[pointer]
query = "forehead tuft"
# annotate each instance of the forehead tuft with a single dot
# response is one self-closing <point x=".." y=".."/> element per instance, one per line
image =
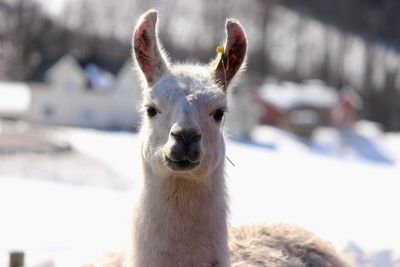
<point x="187" y="81"/>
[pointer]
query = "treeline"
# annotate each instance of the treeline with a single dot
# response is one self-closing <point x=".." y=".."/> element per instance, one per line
<point x="29" y="39"/>
<point x="377" y="24"/>
<point x="374" y="19"/>
<point x="343" y="42"/>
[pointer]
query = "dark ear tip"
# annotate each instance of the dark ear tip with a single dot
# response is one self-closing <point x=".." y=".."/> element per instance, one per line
<point x="150" y="15"/>
<point x="232" y="24"/>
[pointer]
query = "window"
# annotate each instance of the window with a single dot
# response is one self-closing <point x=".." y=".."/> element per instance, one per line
<point x="48" y="111"/>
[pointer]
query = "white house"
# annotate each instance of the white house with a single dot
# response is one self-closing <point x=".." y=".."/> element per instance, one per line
<point x="66" y="98"/>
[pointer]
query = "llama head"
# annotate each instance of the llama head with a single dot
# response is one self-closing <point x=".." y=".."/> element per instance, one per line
<point x="183" y="104"/>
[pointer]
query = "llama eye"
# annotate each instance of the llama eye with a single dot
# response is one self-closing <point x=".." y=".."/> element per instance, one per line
<point x="151" y="112"/>
<point x="218" y="115"/>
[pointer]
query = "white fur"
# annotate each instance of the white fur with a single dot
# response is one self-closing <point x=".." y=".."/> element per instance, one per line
<point x="181" y="218"/>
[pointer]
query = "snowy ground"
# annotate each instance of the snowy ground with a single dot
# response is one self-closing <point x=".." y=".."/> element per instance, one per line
<point x="342" y="193"/>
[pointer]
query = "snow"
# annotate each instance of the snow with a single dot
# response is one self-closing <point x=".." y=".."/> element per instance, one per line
<point x="67" y="223"/>
<point x="288" y="95"/>
<point x="14" y="98"/>
<point x="340" y="200"/>
<point x="276" y="178"/>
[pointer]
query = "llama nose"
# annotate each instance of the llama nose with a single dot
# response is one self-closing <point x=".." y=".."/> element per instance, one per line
<point x="186" y="136"/>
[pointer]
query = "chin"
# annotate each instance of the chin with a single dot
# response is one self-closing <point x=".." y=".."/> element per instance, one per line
<point x="180" y="165"/>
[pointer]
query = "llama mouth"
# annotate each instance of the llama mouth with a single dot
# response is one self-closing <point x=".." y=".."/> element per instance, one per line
<point x="181" y="165"/>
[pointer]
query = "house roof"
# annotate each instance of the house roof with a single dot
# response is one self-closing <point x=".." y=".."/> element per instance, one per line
<point x="289" y="95"/>
<point x="59" y="67"/>
<point x="39" y="73"/>
<point x="112" y="68"/>
<point x="98" y="78"/>
<point x="98" y="75"/>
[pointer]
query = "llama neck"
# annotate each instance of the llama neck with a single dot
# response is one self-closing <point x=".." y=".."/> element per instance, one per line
<point x="182" y="222"/>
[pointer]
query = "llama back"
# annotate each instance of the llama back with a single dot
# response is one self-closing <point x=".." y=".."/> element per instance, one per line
<point x="277" y="245"/>
<point x="281" y="245"/>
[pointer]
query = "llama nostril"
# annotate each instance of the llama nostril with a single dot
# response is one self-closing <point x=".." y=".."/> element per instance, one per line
<point x="193" y="155"/>
<point x="187" y="136"/>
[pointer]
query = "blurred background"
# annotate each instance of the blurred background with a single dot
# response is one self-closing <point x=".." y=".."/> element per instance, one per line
<point x="315" y="119"/>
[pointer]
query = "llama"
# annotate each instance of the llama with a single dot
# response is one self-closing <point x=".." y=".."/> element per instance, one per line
<point x="181" y="220"/>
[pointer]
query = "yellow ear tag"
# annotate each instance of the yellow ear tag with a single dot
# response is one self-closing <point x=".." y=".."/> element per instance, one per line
<point x="220" y="49"/>
<point x="221" y="57"/>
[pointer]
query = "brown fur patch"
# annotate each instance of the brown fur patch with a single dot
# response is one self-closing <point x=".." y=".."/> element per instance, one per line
<point x="281" y="245"/>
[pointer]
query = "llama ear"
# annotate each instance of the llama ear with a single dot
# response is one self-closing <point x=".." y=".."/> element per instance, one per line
<point x="232" y="56"/>
<point x="146" y="50"/>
